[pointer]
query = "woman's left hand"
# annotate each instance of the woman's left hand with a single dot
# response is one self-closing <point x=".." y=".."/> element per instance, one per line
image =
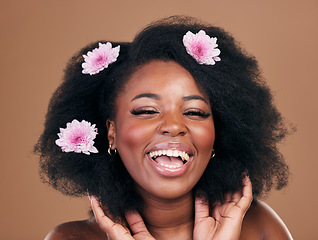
<point x="226" y="220"/>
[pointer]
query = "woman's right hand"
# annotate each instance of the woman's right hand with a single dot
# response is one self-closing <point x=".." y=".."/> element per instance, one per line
<point x="116" y="231"/>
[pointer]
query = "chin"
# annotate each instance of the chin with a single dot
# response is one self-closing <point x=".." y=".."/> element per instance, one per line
<point x="166" y="191"/>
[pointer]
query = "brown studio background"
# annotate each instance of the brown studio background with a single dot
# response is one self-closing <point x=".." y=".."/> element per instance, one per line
<point x="38" y="37"/>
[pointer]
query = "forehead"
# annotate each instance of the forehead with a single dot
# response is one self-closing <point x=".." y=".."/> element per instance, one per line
<point x="161" y="77"/>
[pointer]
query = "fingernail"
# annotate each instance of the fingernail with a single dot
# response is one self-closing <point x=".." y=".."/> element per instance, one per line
<point x="89" y="196"/>
<point x="245" y="179"/>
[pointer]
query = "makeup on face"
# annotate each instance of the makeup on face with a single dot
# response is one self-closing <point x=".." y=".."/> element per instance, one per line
<point x="164" y="130"/>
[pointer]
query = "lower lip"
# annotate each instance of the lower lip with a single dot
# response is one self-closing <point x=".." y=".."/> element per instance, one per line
<point x="169" y="172"/>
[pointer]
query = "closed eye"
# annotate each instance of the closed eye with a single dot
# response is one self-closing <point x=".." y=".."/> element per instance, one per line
<point x="143" y="111"/>
<point x="197" y="113"/>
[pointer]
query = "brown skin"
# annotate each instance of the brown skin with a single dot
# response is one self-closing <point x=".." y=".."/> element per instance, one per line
<point x="170" y="118"/>
<point x="169" y="114"/>
<point x="260" y="223"/>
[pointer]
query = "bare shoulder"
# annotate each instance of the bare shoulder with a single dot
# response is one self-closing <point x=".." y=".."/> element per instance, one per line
<point x="261" y="222"/>
<point x="77" y="230"/>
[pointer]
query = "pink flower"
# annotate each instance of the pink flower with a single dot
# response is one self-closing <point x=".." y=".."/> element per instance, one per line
<point x="99" y="58"/>
<point x="201" y="47"/>
<point x="77" y="137"/>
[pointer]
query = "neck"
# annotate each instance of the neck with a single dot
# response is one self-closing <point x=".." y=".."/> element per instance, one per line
<point x="169" y="219"/>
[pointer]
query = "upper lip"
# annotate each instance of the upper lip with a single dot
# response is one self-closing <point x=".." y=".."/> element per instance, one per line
<point x="173" y="146"/>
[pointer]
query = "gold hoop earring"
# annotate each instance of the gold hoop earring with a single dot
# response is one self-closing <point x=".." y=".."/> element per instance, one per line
<point x="110" y="151"/>
<point x="213" y="154"/>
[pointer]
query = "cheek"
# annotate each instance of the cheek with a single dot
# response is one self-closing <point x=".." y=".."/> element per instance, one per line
<point x="204" y="136"/>
<point x="133" y="135"/>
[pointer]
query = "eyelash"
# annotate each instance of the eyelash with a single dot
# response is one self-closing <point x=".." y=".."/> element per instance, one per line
<point x="142" y="111"/>
<point x="198" y="113"/>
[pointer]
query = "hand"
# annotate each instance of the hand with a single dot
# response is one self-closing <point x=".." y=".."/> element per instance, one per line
<point x="226" y="220"/>
<point x="116" y="231"/>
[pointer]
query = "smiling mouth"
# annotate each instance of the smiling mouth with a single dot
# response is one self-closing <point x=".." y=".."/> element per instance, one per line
<point x="170" y="158"/>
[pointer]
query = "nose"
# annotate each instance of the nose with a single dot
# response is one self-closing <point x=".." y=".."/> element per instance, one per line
<point x="172" y="125"/>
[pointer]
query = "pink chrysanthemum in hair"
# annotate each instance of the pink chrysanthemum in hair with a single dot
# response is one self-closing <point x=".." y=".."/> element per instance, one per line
<point x="99" y="58"/>
<point x="77" y="137"/>
<point x="202" y="47"/>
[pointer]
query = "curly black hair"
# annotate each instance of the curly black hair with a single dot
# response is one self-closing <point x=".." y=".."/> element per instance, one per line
<point x="248" y="125"/>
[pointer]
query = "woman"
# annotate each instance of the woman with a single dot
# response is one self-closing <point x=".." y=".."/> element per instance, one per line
<point x="167" y="134"/>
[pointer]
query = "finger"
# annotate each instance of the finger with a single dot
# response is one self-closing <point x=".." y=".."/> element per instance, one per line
<point x="201" y="207"/>
<point x="227" y="197"/>
<point x="136" y="223"/>
<point x="247" y="195"/>
<point x="215" y="212"/>
<point x="236" y="196"/>
<point x="104" y="222"/>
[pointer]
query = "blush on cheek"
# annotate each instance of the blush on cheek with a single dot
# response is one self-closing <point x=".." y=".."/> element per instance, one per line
<point x="134" y="136"/>
<point x="137" y="134"/>
<point x="203" y="139"/>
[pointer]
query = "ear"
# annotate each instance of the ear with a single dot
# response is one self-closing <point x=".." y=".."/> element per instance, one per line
<point x="110" y="124"/>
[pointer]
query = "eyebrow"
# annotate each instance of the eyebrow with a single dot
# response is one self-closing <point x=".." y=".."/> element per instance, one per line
<point x="157" y="97"/>
<point x="194" y="97"/>
<point x="146" y="95"/>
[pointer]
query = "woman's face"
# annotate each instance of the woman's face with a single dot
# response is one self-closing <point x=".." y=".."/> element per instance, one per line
<point x="163" y="130"/>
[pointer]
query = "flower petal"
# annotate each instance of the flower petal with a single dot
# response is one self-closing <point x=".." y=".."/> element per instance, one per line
<point x="99" y="58"/>
<point x="201" y="47"/>
<point x="77" y="137"/>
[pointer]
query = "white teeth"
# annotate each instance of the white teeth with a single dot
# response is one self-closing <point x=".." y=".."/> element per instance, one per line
<point x="175" y="153"/>
<point x="170" y="153"/>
